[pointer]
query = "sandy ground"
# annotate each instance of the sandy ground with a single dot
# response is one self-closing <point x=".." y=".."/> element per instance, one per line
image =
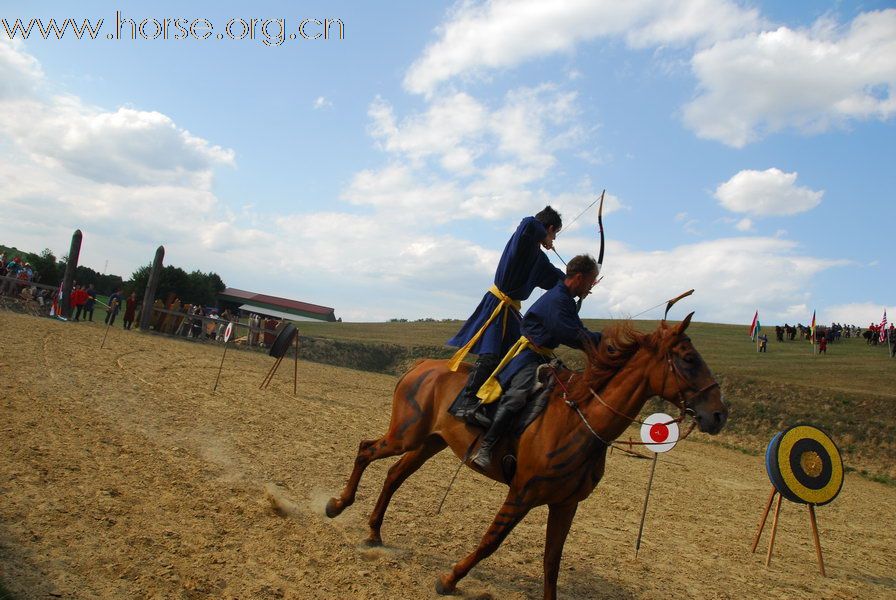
<point x="122" y="475"/>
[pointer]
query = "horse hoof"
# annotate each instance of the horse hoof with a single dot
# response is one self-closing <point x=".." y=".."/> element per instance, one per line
<point x="444" y="587"/>
<point x="373" y="542"/>
<point x="333" y="508"/>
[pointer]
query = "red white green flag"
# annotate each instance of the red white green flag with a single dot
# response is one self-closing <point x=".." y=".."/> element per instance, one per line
<point x="754" y="325"/>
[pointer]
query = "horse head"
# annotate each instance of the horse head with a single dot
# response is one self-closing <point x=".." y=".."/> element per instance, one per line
<point x="680" y="376"/>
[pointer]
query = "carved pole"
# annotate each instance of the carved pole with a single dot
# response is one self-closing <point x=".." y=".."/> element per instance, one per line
<point x="150" y="295"/>
<point x="70" y="266"/>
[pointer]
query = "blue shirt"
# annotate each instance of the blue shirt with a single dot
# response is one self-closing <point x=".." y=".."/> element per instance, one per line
<point x="523" y="267"/>
<point x="550" y="322"/>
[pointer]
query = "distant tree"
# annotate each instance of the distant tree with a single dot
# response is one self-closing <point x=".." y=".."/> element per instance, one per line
<point x="193" y="288"/>
<point x="45" y="268"/>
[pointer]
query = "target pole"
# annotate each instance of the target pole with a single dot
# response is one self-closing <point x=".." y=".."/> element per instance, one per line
<point x="103" y="344"/>
<point x="817" y="541"/>
<point x="771" y="541"/>
<point x="762" y="521"/>
<point x="646" y="498"/>
<point x="295" y="373"/>
<point x="220" y="367"/>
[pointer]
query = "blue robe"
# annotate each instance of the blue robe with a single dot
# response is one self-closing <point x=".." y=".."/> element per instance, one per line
<point x="523" y="267"/>
<point x="551" y="321"/>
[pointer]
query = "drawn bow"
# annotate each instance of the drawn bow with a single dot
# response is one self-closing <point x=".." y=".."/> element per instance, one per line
<point x="600" y="227"/>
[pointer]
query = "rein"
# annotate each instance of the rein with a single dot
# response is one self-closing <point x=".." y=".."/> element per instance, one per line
<point x="681" y="403"/>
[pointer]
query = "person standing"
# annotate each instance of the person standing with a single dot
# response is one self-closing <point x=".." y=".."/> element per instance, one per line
<point x="114" y="305"/>
<point x="130" y="310"/>
<point x="90" y="302"/>
<point x="495" y="324"/>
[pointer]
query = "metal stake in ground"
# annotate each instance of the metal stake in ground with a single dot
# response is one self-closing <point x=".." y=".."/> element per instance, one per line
<point x="646" y="498"/>
<point x="103" y="344"/>
<point x="659" y="432"/>
<point x="227" y="334"/>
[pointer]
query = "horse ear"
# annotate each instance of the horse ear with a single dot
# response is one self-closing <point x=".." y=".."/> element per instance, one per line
<point x="684" y="324"/>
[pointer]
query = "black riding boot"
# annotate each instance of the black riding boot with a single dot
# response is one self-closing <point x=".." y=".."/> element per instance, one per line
<point x="484" y="367"/>
<point x="500" y="425"/>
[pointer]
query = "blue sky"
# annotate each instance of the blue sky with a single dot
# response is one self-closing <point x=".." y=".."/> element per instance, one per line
<point x="746" y="149"/>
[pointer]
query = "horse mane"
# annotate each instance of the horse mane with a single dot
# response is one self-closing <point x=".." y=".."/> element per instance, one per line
<point x="619" y="343"/>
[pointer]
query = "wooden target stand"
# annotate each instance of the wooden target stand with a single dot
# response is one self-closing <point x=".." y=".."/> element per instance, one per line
<point x="288" y="336"/>
<point x="804" y="466"/>
<point x="659" y="433"/>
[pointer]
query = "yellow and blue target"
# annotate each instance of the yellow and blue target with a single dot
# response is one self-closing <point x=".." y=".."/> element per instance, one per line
<point x="804" y="465"/>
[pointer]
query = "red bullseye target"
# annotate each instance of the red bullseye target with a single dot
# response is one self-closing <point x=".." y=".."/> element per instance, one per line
<point x="659" y="432"/>
<point x="228" y="332"/>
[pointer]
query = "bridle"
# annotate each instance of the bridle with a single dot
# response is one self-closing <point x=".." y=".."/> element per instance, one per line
<point x="681" y="402"/>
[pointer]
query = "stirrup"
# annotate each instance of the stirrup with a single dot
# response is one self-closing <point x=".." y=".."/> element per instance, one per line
<point x="483" y="460"/>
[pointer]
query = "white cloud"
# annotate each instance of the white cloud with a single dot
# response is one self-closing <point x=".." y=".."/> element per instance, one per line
<point x="744" y="225"/>
<point x="766" y="193"/>
<point x="810" y="80"/>
<point x="322" y="102"/>
<point x="723" y="273"/>
<point x="460" y="158"/>
<point x="504" y="33"/>
<point x="20" y="73"/>
<point x="125" y="147"/>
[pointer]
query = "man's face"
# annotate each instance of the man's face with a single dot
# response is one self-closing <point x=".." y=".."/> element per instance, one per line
<point x="582" y="284"/>
<point x="548" y="241"/>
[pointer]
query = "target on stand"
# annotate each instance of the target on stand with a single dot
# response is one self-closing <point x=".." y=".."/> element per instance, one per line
<point x="228" y="332"/>
<point x="659" y="432"/>
<point x="804" y="465"/>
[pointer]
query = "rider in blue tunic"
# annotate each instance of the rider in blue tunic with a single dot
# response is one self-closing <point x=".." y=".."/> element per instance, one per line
<point x="495" y="324"/>
<point x="552" y="320"/>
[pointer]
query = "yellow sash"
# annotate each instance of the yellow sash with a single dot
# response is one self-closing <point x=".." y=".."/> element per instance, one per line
<point x="505" y="304"/>
<point x="491" y="390"/>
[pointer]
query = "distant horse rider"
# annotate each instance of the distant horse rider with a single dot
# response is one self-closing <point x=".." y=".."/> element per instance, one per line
<point x="495" y="324"/>
<point x="552" y="320"/>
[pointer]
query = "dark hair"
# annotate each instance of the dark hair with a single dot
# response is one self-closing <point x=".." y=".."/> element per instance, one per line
<point x="548" y="216"/>
<point x="583" y="263"/>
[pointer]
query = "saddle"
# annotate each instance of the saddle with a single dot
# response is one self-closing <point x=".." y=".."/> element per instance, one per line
<point x="480" y="415"/>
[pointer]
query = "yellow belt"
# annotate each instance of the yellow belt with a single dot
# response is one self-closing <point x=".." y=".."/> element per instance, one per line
<point x="491" y="390"/>
<point x="505" y="304"/>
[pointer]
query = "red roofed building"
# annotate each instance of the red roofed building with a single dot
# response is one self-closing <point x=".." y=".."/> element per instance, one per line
<point x="280" y="308"/>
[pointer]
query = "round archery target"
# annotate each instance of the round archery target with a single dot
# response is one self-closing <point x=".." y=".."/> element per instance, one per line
<point x="228" y="332"/>
<point x="804" y="465"/>
<point x="659" y="432"/>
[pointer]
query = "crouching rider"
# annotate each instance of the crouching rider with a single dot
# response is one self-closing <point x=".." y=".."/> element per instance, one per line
<point x="551" y="321"/>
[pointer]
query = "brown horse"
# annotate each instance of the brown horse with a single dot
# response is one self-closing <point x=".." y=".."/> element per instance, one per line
<point x="561" y="455"/>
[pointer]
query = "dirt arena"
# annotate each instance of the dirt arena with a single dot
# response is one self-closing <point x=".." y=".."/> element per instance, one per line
<point x="122" y="475"/>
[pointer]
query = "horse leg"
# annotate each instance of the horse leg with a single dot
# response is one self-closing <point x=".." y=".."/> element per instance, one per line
<point x="511" y="513"/>
<point x="368" y="451"/>
<point x="398" y="473"/>
<point x="559" y="521"/>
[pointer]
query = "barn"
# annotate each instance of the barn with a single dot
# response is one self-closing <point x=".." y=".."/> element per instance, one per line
<point x="276" y="307"/>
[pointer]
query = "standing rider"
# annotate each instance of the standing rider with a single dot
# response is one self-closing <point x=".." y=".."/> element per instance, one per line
<point x="495" y="324"/>
<point x="551" y="321"/>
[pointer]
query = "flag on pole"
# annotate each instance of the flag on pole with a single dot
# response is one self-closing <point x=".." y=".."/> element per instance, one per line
<point x="883" y="327"/>
<point x="753" y="325"/>
<point x="812" y="328"/>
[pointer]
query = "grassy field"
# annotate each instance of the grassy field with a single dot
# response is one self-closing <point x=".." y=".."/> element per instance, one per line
<point x="850" y="392"/>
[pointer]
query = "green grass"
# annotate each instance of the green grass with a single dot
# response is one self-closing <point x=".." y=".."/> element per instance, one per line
<point x="850" y="392"/>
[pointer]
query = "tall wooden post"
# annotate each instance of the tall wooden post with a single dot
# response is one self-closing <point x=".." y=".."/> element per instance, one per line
<point x="150" y="295"/>
<point x="71" y="266"/>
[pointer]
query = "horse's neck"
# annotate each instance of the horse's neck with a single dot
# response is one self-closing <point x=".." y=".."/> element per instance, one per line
<point x="622" y="398"/>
